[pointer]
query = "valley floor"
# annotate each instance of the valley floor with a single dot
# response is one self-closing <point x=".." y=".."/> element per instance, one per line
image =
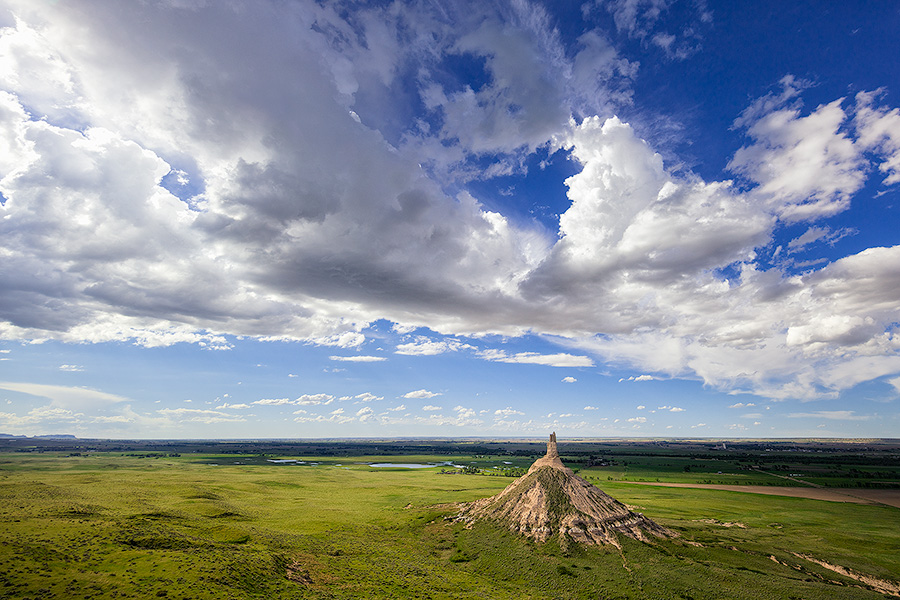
<point x="108" y="525"/>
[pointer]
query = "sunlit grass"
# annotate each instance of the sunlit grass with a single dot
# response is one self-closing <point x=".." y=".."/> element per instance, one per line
<point x="104" y="526"/>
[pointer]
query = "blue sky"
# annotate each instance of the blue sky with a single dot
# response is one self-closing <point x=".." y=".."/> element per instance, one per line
<point x="338" y="219"/>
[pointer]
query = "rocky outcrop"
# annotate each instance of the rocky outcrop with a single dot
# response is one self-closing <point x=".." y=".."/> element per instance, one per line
<point x="550" y="499"/>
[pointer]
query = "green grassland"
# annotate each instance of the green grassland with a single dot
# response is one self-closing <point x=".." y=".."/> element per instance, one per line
<point x="110" y="525"/>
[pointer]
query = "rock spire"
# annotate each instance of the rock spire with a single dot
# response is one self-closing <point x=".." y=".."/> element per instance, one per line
<point x="551" y="500"/>
<point x="551" y="459"/>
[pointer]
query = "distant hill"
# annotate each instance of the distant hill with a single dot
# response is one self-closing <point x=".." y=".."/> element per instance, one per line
<point x="551" y="500"/>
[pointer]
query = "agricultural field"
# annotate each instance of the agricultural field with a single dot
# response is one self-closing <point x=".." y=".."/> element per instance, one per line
<point x="187" y="521"/>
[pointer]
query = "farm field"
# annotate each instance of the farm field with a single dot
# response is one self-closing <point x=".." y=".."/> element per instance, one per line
<point x="144" y="524"/>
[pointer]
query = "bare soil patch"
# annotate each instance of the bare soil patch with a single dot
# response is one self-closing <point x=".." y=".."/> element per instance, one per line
<point x="889" y="497"/>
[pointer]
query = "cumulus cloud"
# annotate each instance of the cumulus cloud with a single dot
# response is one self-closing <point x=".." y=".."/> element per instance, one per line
<point x="878" y="128"/>
<point x="426" y="347"/>
<point x="274" y="401"/>
<point x="808" y="166"/>
<point x="149" y="197"/>
<point x="421" y="394"/>
<point x="431" y="408"/>
<point x="534" y="358"/>
<point x="569" y="379"/>
<point x="507" y="412"/>
<point x="312" y="399"/>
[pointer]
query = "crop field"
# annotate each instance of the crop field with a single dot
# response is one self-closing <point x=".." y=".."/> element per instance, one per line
<point x="192" y="524"/>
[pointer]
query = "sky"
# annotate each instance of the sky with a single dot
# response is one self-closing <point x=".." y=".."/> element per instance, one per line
<point x="298" y="219"/>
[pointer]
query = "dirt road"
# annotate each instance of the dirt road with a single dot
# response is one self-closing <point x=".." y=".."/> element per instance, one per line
<point x="856" y="496"/>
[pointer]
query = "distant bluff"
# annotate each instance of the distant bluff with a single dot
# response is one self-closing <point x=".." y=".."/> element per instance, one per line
<point x="550" y="499"/>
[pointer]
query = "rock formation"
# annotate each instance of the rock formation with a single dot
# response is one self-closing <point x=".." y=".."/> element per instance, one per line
<point x="550" y="499"/>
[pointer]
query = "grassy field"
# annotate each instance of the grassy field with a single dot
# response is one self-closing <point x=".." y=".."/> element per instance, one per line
<point x="109" y="525"/>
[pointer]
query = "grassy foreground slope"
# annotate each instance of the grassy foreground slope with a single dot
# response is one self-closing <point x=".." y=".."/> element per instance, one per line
<point x="112" y="526"/>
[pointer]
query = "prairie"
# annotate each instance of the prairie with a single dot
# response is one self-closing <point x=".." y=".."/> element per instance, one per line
<point x="110" y="525"/>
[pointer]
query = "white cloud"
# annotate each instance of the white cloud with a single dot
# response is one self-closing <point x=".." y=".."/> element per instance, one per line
<point x="589" y="407"/>
<point x="399" y="408"/>
<point x="196" y="415"/>
<point x="895" y="381"/>
<point x="815" y="234"/>
<point x="304" y="400"/>
<point x="806" y="167"/>
<point x="533" y="358"/>
<point x="508" y="412"/>
<point x="426" y="347"/>
<point x="65" y="397"/>
<point x="879" y="129"/>
<point x="313" y="399"/>
<point x="150" y="198"/>
<point x="466" y="416"/>
<point x="637" y="420"/>
<point x="569" y="379"/>
<point x="421" y="394"/>
<point x="71" y="368"/>
<point x="274" y="401"/>
<point x="636" y="17"/>
<point x="832" y="415"/>
<point x="742" y="405"/>
<point x="670" y="408"/>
